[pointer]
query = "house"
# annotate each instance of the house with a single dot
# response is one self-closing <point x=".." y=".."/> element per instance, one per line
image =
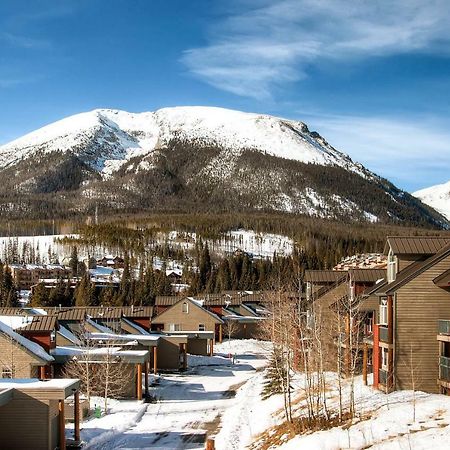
<point x="114" y="262"/>
<point x="338" y="312"/>
<point x="412" y="303"/>
<point x="132" y="364"/>
<point x="21" y="357"/>
<point x="27" y="275"/>
<point x="32" y="413"/>
<point x="187" y="315"/>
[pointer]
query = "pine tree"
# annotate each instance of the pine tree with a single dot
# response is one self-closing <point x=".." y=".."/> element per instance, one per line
<point x="275" y="377"/>
<point x="73" y="261"/>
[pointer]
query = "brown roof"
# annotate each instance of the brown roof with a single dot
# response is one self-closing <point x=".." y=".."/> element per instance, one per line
<point x="166" y="300"/>
<point x="324" y="276"/>
<point x="137" y="311"/>
<point x="223" y="301"/>
<point x="67" y="313"/>
<point x="41" y="324"/>
<point x="413" y="270"/>
<point x="14" y="311"/>
<point x="416" y="245"/>
<point x="443" y="279"/>
<point x="367" y="275"/>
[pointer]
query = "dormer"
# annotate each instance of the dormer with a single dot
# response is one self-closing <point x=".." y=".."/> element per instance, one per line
<point x="402" y="251"/>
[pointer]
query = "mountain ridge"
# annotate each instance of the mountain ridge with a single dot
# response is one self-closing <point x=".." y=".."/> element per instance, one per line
<point x="194" y="158"/>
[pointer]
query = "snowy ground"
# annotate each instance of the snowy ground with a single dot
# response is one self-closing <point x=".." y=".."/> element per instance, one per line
<point x="218" y="399"/>
<point x="189" y="407"/>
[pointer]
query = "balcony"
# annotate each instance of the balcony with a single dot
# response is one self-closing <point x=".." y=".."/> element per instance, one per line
<point x="444" y="368"/>
<point x="383" y="376"/>
<point x="384" y="334"/>
<point x="444" y="327"/>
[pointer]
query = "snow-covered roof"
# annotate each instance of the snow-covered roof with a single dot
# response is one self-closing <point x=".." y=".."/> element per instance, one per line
<point x="65" y="332"/>
<point x="99" y="327"/>
<point x="141" y="338"/>
<point x="32" y="347"/>
<point x="15" y="322"/>
<point x="98" y="353"/>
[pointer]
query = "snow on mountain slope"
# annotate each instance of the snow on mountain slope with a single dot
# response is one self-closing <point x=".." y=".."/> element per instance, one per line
<point x="105" y="139"/>
<point x="438" y="197"/>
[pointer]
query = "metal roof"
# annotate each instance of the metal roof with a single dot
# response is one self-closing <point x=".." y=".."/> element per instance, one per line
<point x="41" y="324"/>
<point x="166" y="300"/>
<point x="367" y="275"/>
<point x="324" y="276"/>
<point x="416" y="245"/>
<point x="413" y="270"/>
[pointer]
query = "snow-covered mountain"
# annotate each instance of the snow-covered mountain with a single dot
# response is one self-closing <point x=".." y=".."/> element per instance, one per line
<point x="191" y="159"/>
<point x="438" y="197"/>
<point x="105" y="138"/>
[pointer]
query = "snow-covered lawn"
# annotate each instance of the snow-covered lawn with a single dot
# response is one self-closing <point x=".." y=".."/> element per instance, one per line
<point x="190" y="405"/>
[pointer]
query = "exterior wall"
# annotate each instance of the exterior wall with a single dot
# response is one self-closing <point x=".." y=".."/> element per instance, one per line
<point x="11" y="353"/>
<point x="419" y="305"/>
<point x="197" y="347"/>
<point x="142" y="322"/>
<point x="169" y="352"/>
<point x="188" y="321"/>
<point x="42" y="339"/>
<point x="30" y="415"/>
<point x="406" y="260"/>
<point x="61" y="341"/>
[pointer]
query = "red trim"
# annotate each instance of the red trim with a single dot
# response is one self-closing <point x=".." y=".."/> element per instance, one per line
<point x="376" y="355"/>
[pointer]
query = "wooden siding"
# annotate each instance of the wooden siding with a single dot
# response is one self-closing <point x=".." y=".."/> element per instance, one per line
<point x="12" y="353"/>
<point x="404" y="261"/>
<point x="418" y="306"/>
<point x="327" y="322"/>
<point x="189" y="321"/>
<point x="29" y="414"/>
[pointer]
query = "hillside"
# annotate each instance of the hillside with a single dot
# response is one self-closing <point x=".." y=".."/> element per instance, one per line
<point x="193" y="159"/>
<point x="438" y="197"/>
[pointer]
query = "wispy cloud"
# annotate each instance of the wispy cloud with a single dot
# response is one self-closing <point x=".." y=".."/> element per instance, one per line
<point x="27" y="42"/>
<point x="261" y="44"/>
<point x="413" y="152"/>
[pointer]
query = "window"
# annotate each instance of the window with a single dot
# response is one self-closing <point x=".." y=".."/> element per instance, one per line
<point x="384" y="358"/>
<point x="174" y="327"/>
<point x="201" y="327"/>
<point x="309" y="319"/>
<point x="185" y="307"/>
<point x="383" y="311"/>
<point x="391" y="267"/>
<point x="7" y="372"/>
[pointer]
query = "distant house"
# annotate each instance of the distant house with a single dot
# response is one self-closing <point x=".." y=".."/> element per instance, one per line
<point x="187" y="315"/>
<point x="27" y="275"/>
<point x="114" y="262"/>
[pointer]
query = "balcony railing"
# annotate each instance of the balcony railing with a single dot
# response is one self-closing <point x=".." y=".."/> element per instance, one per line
<point x="383" y="376"/>
<point x="444" y="326"/>
<point x="384" y="334"/>
<point x="444" y="368"/>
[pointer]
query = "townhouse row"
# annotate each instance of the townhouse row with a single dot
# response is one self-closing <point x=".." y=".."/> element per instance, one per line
<point x="393" y="323"/>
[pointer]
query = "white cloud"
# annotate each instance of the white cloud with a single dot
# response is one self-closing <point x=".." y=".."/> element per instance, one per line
<point x="413" y="153"/>
<point x="24" y="41"/>
<point x="261" y="44"/>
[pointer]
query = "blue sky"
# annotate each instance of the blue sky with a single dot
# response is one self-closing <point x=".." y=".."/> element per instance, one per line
<point x="373" y="77"/>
